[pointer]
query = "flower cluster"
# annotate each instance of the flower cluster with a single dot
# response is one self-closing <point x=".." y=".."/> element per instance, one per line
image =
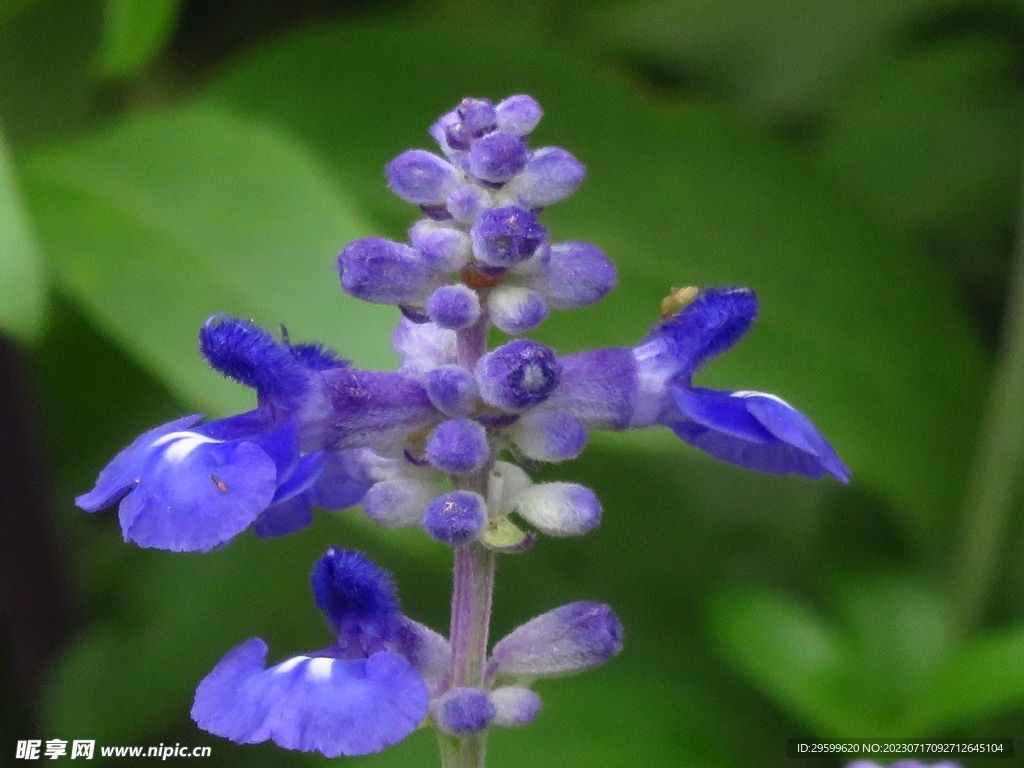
<point x="385" y="672"/>
<point x="440" y="443"/>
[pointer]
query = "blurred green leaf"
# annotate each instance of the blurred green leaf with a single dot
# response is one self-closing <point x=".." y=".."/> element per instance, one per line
<point x="134" y="32"/>
<point x="901" y="634"/>
<point x="891" y="667"/>
<point x="855" y="330"/>
<point x="11" y="8"/>
<point x="47" y="53"/>
<point x="799" y="660"/>
<point x="162" y="222"/>
<point x="983" y="678"/>
<point x="772" y="56"/>
<point x="21" y="279"/>
<point x="931" y="135"/>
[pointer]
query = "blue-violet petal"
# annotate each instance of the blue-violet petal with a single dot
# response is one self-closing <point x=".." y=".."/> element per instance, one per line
<point x="312" y="704"/>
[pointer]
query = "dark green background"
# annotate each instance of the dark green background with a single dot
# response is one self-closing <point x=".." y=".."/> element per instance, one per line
<point x="856" y="163"/>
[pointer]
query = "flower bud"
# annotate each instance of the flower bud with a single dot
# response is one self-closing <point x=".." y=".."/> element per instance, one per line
<point x="516" y="310"/>
<point x="517" y="375"/>
<point x="442" y="248"/>
<point x="398" y="503"/>
<point x="453" y="306"/>
<point x="477" y="116"/>
<point x="578" y="275"/>
<point x="466" y="201"/>
<point x="463" y="711"/>
<point x="458" y="446"/>
<point x="514" y="706"/>
<point x="456" y="518"/>
<point x="518" y="114"/>
<point x="452" y="390"/>
<point x="505" y="236"/>
<point x="504" y="484"/>
<point x="560" y="509"/>
<point x="497" y="157"/>
<point x="569" y="639"/>
<point x="421" y="177"/>
<point x="382" y="271"/>
<point x="550" y="175"/>
<point x="545" y="435"/>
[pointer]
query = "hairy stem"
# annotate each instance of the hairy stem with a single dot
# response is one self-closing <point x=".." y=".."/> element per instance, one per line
<point x="472" y="592"/>
<point x="993" y="478"/>
<point x="473" y="587"/>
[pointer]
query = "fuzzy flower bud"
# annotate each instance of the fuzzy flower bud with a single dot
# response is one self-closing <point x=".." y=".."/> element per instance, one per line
<point x="560" y="509"/>
<point x="463" y="711"/>
<point x="456" y="518"/>
<point x="420" y="177"/>
<point x="517" y="375"/>
<point x="503" y="237"/>
<point x="569" y="639"/>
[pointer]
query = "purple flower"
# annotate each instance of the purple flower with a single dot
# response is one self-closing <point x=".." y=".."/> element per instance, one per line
<point x="366" y="692"/>
<point x="482" y="231"/>
<point x="653" y="384"/>
<point x="186" y="486"/>
<point x="751" y="429"/>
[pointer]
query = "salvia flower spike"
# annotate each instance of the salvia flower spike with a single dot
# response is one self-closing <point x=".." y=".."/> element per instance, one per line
<point x="445" y="443"/>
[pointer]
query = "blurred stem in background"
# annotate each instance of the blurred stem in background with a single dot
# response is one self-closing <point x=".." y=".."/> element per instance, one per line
<point x="993" y="481"/>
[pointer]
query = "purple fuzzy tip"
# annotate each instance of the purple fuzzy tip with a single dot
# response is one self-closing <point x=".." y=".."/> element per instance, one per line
<point x="453" y="306"/>
<point x="382" y="271"/>
<point x="420" y="177"/>
<point x="518" y="375"/>
<point x="497" y="157"/>
<point x="243" y="351"/>
<point x="708" y="326"/>
<point x="505" y="236"/>
<point x="348" y="587"/>
<point x="458" y="446"/>
<point x="456" y="518"/>
<point x="463" y="711"/>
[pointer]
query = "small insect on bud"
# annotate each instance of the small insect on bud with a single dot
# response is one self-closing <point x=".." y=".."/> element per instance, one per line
<point x="221" y="485"/>
<point x="678" y="299"/>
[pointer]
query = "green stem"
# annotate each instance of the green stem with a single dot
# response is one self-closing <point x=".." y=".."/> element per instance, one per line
<point x="993" y="479"/>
